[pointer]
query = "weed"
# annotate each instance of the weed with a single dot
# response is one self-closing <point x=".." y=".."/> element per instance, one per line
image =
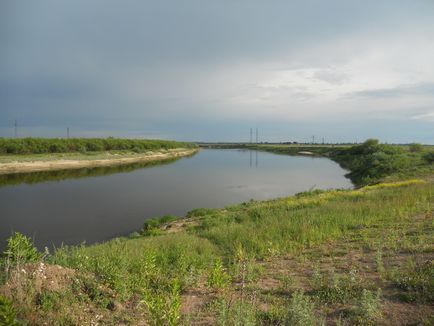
<point x="236" y="312"/>
<point x="163" y="308"/>
<point x="8" y="316"/>
<point x="20" y="249"/>
<point x="335" y="288"/>
<point x="417" y="280"/>
<point x="301" y="310"/>
<point x="218" y="278"/>
<point x="380" y="265"/>
<point x="368" y="310"/>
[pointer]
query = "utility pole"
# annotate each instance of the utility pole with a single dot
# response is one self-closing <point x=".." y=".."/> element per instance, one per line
<point x="16" y="129"/>
<point x="313" y="140"/>
<point x="256" y="135"/>
<point x="67" y="132"/>
<point x="323" y="140"/>
<point x="251" y="135"/>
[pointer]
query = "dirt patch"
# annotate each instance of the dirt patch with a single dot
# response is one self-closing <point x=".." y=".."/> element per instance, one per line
<point x="42" y="276"/>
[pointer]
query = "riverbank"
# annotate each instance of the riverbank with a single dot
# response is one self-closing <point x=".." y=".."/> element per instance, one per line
<point x="51" y="162"/>
<point x="337" y="257"/>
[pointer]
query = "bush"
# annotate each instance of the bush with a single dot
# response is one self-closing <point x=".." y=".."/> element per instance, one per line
<point x="429" y="157"/>
<point x="415" y="147"/>
<point x="152" y="226"/>
<point x="20" y="249"/>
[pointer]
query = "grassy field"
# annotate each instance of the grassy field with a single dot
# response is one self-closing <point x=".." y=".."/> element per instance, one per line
<point x="338" y="257"/>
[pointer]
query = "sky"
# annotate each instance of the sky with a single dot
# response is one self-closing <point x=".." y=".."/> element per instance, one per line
<point x="203" y="70"/>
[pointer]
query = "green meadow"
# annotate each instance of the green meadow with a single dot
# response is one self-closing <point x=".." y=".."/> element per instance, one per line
<point x="340" y="257"/>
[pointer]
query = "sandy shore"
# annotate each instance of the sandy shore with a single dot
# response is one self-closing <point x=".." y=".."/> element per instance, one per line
<point x="64" y="164"/>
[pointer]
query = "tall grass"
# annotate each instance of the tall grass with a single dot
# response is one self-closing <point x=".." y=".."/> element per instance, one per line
<point x="63" y="145"/>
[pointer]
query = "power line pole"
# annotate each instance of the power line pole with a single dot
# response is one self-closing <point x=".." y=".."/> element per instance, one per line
<point x="251" y="135"/>
<point x="313" y="139"/>
<point x="16" y="129"/>
<point x="323" y="140"/>
<point x="67" y="132"/>
<point x="256" y="135"/>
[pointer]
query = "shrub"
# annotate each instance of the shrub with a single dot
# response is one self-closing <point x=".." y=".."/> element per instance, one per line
<point x="20" y="249"/>
<point x="415" y="147"/>
<point x="429" y="157"/>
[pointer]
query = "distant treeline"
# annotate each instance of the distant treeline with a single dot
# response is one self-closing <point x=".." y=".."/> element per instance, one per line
<point x="70" y="145"/>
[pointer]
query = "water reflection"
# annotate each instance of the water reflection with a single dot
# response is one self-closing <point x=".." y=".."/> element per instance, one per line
<point x="45" y="176"/>
<point x="251" y="158"/>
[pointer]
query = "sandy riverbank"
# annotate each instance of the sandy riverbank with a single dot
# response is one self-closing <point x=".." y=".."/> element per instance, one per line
<point x="66" y="164"/>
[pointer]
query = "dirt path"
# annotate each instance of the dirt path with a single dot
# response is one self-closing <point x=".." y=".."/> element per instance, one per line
<point x="65" y="164"/>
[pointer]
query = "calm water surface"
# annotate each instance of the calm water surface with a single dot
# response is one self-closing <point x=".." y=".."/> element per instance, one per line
<point x="103" y="203"/>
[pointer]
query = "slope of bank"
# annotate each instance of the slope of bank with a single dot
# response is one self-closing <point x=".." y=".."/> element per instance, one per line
<point x="337" y="257"/>
<point x="369" y="162"/>
<point x="37" y="163"/>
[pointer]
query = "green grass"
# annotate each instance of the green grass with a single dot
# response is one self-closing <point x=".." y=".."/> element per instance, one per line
<point x="9" y="146"/>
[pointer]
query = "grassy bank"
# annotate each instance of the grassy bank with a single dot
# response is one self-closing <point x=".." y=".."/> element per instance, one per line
<point x="370" y="162"/>
<point x="338" y="257"/>
<point x="84" y="145"/>
<point x="28" y="155"/>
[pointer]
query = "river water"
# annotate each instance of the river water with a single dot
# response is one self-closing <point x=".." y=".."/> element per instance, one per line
<point x="93" y="205"/>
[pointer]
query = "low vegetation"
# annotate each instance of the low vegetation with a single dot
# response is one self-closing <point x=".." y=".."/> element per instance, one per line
<point x="337" y="257"/>
<point x="369" y="162"/>
<point x="83" y="145"/>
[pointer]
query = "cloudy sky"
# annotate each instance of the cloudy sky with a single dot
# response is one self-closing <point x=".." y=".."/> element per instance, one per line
<point x="210" y="70"/>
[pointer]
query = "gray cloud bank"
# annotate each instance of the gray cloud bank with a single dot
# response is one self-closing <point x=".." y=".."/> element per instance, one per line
<point x="209" y="70"/>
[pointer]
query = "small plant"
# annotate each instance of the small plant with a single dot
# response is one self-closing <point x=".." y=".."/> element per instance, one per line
<point x="286" y="283"/>
<point x="47" y="300"/>
<point x="218" y="278"/>
<point x="8" y="316"/>
<point x="20" y="249"/>
<point x="380" y="265"/>
<point x="163" y="308"/>
<point x="236" y="312"/>
<point x="151" y="227"/>
<point x="336" y="288"/>
<point x="301" y="310"/>
<point x="368" y="310"/>
<point x="417" y="281"/>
